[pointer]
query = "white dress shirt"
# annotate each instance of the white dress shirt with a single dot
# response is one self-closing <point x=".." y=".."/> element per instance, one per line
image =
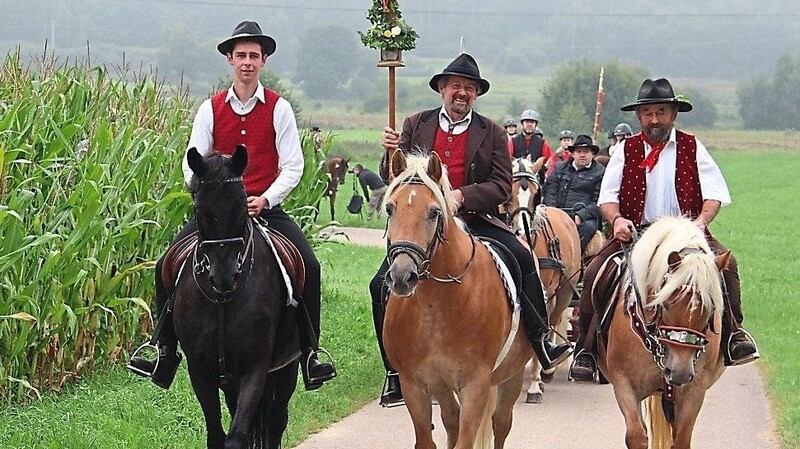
<point x="458" y="127"/>
<point x="287" y="141"/>
<point x="661" y="197"/>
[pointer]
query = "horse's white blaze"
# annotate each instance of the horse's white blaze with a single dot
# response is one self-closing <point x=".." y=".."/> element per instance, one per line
<point x="411" y="196"/>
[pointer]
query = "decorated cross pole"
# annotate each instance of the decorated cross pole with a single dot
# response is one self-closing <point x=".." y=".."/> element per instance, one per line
<point x="391" y="35"/>
<point x="598" y="110"/>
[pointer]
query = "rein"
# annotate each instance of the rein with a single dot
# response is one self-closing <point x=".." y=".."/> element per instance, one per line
<point x="422" y="257"/>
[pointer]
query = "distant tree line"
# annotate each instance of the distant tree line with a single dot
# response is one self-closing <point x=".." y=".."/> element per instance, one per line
<point x="772" y="103"/>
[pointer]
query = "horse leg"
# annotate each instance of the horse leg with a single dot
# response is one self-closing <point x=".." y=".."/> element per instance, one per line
<point x="473" y="398"/>
<point x="282" y="385"/>
<point x="508" y="392"/>
<point x="251" y="390"/>
<point x="207" y="395"/>
<point x="687" y="406"/>
<point x="450" y="412"/>
<point x="534" y="395"/>
<point x="629" y="405"/>
<point x="418" y="403"/>
<point x="333" y="206"/>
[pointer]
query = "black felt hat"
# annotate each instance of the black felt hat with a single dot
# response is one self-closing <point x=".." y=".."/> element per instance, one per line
<point x="657" y="92"/>
<point x="584" y="141"/>
<point x="251" y="31"/>
<point x="465" y="66"/>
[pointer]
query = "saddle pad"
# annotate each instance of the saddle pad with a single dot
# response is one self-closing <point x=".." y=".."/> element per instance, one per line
<point x="606" y="287"/>
<point x="511" y="292"/>
<point x="286" y="254"/>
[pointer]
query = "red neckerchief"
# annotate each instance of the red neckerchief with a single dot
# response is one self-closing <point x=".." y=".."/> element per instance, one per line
<point x="655" y="150"/>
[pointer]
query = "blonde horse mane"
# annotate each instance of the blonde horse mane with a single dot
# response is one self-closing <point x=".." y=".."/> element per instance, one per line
<point x="696" y="270"/>
<point x="417" y="167"/>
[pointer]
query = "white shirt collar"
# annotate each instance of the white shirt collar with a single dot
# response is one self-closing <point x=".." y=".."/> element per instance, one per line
<point x="459" y="126"/>
<point x="575" y="166"/>
<point x="259" y="94"/>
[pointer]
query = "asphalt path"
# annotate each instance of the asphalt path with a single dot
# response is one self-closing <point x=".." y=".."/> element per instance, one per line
<point x="735" y="415"/>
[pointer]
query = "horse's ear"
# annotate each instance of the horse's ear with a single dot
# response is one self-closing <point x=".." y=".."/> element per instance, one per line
<point x="346" y="161"/>
<point x="538" y="165"/>
<point x="674" y="259"/>
<point x="398" y="164"/>
<point x="239" y="161"/>
<point x="196" y="162"/>
<point x="723" y="261"/>
<point x="434" y="167"/>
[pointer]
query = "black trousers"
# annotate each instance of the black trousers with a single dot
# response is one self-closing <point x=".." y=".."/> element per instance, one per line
<point x="586" y="231"/>
<point x="283" y="223"/>
<point x="379" y="292"/>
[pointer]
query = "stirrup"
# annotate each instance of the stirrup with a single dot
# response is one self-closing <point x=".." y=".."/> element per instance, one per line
<point x="385" y="390"/>
<point x="136" y="369"/>
<point x="584" y="353"/>
<point x="307" y="367"/>
<point x="744" y="360"/>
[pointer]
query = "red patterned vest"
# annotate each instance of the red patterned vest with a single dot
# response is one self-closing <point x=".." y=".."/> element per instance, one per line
<point x="256" y="131"/>
<point x="452" y="150"/>
<point x="687" y="178"/>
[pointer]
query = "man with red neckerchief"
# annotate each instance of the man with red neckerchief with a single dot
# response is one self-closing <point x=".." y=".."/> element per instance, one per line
<point x="661" y="171"/>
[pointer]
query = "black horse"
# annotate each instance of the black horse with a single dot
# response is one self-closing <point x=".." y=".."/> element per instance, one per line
<point x="231" y="313"/>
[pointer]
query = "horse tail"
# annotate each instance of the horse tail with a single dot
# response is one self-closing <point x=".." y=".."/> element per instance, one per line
<point x="659" y="430"/>
<point x="484" y="437"/>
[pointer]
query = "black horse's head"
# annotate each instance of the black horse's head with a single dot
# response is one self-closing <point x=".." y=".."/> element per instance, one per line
<point x="220" y="204"/>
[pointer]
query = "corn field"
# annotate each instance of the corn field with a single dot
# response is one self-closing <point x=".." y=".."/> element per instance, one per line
<point x="91" y="193"/>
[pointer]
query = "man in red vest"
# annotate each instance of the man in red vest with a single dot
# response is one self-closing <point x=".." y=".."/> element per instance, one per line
<point x="254" y="116"/>
<point x="475" y="151"/>
<point x="657" y="172"/>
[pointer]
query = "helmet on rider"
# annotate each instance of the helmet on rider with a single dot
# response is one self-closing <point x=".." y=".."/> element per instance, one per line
<point x="529" y="114"/>
<point x="566" y="134"/>
<point x="623" y="129"/>
<point x="509" y="122"/>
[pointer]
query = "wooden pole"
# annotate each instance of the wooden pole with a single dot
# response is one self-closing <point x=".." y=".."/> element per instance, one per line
<point x="392" y="122"/>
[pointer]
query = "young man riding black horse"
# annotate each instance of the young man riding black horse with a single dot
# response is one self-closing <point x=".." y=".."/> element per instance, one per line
<point x="251" y="115"/>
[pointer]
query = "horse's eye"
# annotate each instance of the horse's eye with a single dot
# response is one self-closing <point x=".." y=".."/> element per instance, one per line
<point x="433" y="213"/>
<point x="389" y="209"/>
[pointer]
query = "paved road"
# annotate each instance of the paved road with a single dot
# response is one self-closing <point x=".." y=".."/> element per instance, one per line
<point x="735" y="415"/>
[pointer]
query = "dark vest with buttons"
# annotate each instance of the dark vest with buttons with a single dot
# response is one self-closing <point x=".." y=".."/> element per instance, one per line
<point x="256" y="131"/>
<point x="632" y="192"/>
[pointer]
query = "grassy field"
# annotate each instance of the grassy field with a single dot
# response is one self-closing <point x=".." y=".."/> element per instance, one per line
<point x="115" y="410"/>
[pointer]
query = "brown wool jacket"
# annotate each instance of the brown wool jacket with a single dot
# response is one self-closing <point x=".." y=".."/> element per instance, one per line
<point x="487" y="165"/>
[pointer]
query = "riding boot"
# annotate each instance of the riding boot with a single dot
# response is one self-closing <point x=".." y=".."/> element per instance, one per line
<point x="534" y="314"/>
<point x="392" y="395"/>
<point x="315" y="372"/>
<point x="162" y="369"/>
<point x="739" y="347"/>
<point x="584" y="365"/>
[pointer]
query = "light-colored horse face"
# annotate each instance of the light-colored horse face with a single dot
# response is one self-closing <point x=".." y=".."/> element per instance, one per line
<point x="524" y="187"/>
<point x="417" y="215"/>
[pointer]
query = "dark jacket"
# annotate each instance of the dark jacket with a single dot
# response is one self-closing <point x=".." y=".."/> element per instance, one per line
<point x="368" y="179"/>
<point x="487" y="165"/>
<point x="567" y="188"/>
<point x="535" y="150"/>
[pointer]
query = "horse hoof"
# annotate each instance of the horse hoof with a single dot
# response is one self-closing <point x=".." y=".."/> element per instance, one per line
<point x="533" y="398"/>
<point x="547" y="377"/>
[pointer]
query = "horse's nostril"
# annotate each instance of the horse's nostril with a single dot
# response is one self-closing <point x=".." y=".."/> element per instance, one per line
<point x="412" y="277"/>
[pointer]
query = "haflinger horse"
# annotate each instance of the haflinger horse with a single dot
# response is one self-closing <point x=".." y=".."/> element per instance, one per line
<point x="557" y="247"/>
<point x="663" y="341"/>
<point x="231" y="314"/>
<point x="337" y="173"/>
<point x="449" y="329"/>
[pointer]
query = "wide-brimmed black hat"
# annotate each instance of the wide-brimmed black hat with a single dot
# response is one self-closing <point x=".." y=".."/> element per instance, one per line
<point x="464" y="65"/>
<point x="584" y="141"/>
<point x="657" y="92"/>
<point x="248" y="30"/>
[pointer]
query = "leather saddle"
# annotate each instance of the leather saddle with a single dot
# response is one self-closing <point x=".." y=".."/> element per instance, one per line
<point x="288" y="256"/>
<point x="508" y="259"/>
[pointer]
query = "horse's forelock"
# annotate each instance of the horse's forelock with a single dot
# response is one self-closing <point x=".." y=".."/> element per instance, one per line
<point x="650" y="259"/>
<point x="417" y="167"/>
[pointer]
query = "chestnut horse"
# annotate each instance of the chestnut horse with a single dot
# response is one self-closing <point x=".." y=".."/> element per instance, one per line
<point x="449" y="330"/>
<point x="557" y="247"/>
<point x="663" y="341"/>
<point x="337" y="173"/>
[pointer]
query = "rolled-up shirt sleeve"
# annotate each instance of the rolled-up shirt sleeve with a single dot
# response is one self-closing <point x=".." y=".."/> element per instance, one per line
<point x="612" y="179"/>
<point x="712" y="183"/>
<point x="202" y="137"/>
<point x="290" y="154"/>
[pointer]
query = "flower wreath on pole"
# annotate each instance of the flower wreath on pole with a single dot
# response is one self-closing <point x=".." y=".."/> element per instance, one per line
<point x="389" y="32"/>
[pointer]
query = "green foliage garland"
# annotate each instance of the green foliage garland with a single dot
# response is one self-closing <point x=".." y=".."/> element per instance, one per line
<point x="388" y="31"/>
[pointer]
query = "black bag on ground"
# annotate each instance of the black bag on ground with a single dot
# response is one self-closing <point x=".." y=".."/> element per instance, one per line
<point x="356" y="201"/>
